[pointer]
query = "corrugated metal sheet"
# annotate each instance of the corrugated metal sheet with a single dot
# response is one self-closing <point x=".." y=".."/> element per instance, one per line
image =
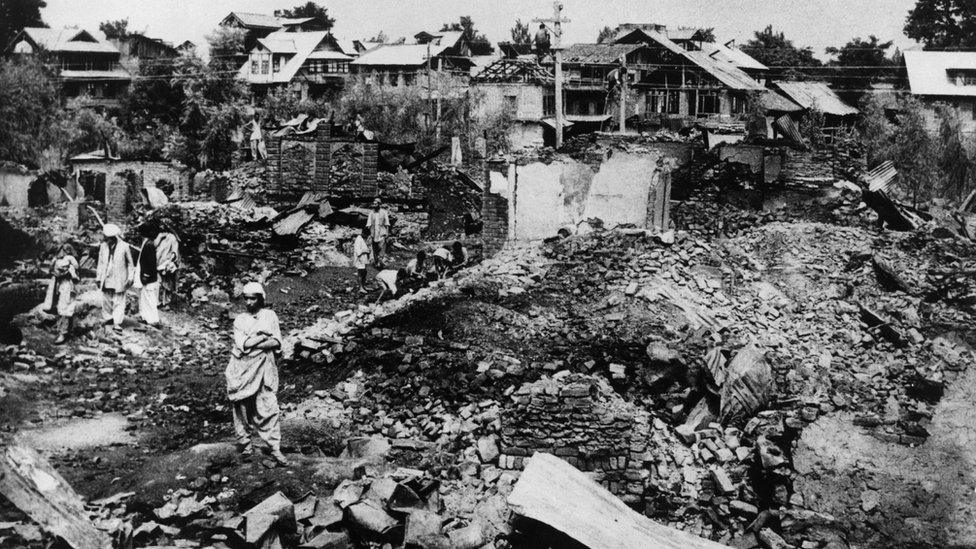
<point x="816" y="94"/>
<point x="725" y="73"/>
<point x="312" y="197"/>
<point x="292" y="222"/>
<point x="928" y="72"/>
<point x="881" y="177"/>
<point x="734" y="56"/>
<point x="788" y="127"/>
<point x="67" y="39"/>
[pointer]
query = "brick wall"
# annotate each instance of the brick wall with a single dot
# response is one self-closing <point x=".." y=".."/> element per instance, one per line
<point x="147" y="173"/>
<point x="582" y="420"/>
<point x="323" y="157"/>
<point x="320" y="162"/>
<point x="494" y="216"/>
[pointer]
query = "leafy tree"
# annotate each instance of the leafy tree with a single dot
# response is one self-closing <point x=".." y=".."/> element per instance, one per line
<point x="606" y="35"/>
<point x="520" y="33"/>
<point x="29" y="107"/>
<point x="283" y="104"/>
<point x="812" y="125"/>
<point x="707" y="35"/>
<point x="226" y="48"/>
<point x="943" y="24"/>
<point x="114" y="29"/>
<point x="311" y="9"/>
<point x="868" y="62"/>
<point x="773" y="49"/>
<point x="17" y="14"/>
<point x="212" y="110"/>
<point x="465" y="25"/>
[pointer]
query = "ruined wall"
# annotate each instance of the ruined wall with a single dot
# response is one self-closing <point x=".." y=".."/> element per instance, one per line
<point x="750" y="155"/>
<point x="583" y="421"/>
<point x="812" y="165"/>
<point x="320" y="162"/>
<point x="15" y="186"/>
<point x="152" y="173"/>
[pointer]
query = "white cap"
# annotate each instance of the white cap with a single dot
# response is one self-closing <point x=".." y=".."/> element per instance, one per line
<point x="253" y="288"/>
<point x="111" y="229"/>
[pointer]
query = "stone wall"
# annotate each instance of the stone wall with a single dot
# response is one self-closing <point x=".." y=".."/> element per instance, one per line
<point x="583" y="421"/>
<point x="148" y="173"/>
<point x="494" y="216"/>
<point x="811" y="165"/>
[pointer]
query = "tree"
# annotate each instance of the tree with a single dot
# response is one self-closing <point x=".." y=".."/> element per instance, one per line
<point x="114" y="29"/>
<point x="380" y="37"/>
<point x="465" y="25"/>
<point x="311" y="9"/>
<point x="867" y="61"/>
<point x="17" y="14"/>
<point x="520" y="33"/>
<point x="606" y="35"/>
<point x="226" y="47"/>
<point x="774" y="50"/>
<point x="28" y="110"/>
<point x="707" y="35"/>
<point x="943" y="24"/>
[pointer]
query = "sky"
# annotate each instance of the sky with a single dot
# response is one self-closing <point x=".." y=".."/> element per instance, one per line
<point x="815" y="23"/>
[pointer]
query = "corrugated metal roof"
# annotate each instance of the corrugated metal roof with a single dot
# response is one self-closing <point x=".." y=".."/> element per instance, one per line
<point x="881" y="176"/>
<point x="68" y="39"/>
<point x="771" y="100"/>
<point x="266" y="21"/>
<point x="409" y="55"/>
<point x="597" y="54"/>
<point x="726" y="73"/>
<point x="816" y="94"/>
<point x="330" y="55"/>
<point x="734" y="56"/>
<point x="928" y="72"/>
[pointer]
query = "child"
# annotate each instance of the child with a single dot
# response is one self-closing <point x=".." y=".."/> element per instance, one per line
<point x="61" y="290"/>
<point x="360" y="257"/>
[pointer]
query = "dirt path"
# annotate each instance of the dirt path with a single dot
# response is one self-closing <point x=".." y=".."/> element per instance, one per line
<point x="892" y="495"/>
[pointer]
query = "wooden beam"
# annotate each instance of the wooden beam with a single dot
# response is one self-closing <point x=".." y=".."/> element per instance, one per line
<point x="557" y="494"/>
<point x="34" y="487"/>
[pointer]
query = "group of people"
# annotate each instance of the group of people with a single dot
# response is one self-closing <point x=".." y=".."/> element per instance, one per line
<point x="419" y="271"/>
<point x="152" y="267"/>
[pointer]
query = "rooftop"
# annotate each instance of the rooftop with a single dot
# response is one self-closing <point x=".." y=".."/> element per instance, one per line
<point x="941" y="73"/>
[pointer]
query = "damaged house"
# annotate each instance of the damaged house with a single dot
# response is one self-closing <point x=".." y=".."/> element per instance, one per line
<point x="260" y="25"/>
<point x="527" y="92"/>
<point x="89" y="67"/>
<point x="686" y="79"/>
<point x="400" y="64"/>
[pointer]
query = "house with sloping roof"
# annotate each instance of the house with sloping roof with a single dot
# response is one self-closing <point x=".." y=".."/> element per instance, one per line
<point x="260" y="25"/>
<point x="944" y="78"/>
<point x="87" y="66"/>
<point x="401" y="64"/>
<point x="137" y="49"/>
<point x="690" y="79"/>
<point x="587" y="69"/>
<point x="307" y="63"/>
<point x="524" y="91"/>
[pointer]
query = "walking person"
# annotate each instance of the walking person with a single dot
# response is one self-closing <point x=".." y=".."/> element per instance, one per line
<point x="360" y="257"/>
<point x="148" y="277"/>
<point x="60" y="298"/>
<point x="113" y="275"/>
<point x="378" y="224"/>
<point x="252" y="375"/>
<point x="167" y="265"/>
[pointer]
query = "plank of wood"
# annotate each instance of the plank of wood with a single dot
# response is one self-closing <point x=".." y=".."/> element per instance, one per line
<point x="31" y="484"/>
<point x="555" y="493"/>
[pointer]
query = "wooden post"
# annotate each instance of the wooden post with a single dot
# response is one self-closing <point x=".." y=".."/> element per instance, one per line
<point x="557" y="49"/>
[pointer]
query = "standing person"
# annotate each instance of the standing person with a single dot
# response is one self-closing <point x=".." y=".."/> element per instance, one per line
<point x="113" y="275"/>
<point x="148" y="277"/>
<point x="378" y="223"/>
<point x="360" y="257"/>
<point x="252" y="375"/>
<point x="61" y="291"/>
<point x="167" y="264"/>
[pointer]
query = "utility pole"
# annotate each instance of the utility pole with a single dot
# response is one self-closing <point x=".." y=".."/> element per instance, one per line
<point x="555" y="25"/>
<point x="429" y="90"/>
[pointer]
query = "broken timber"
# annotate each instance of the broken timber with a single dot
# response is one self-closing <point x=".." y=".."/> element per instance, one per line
<point x="555" y="493"/>
<point x="34" y="487"/>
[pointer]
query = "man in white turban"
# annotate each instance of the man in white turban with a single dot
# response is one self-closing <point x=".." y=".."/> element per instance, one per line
<point x="113" y="274"/>
<point x="252" y="375"/>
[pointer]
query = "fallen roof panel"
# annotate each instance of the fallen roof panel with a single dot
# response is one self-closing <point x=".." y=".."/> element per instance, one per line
<point x="816" y="94"/>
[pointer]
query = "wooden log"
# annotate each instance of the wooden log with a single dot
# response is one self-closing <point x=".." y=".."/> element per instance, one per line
<point x="557" y="494"/>
<point x="888" y="277"/>
<point x="34" y="487"/>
